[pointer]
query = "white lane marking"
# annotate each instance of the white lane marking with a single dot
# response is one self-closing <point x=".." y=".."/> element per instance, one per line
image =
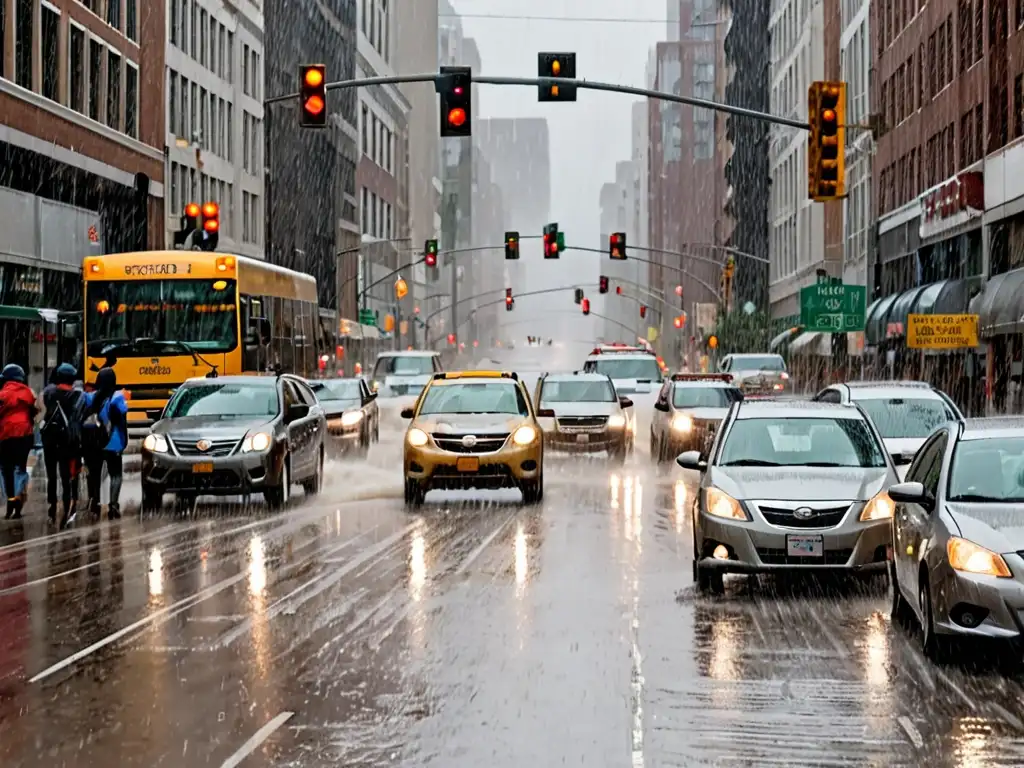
<point x="912" y="732"/>
<point x="313" y="587"/>
<point x="256" y="739"/>
<point x="483" y="545"/>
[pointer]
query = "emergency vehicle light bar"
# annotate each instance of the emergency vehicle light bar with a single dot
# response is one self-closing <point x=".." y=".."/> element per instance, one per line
<point x="726" y="377"/>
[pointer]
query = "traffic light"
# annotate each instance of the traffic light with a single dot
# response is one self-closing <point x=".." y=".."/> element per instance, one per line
<point x="189" y="224"/>
<point x="618" y="289"/>
<point x="826" y="148"/>
<point x="511" y="245"/>
<point x="509" y="301"/>
<point x="677" y="321"/>
<point x="643" y="311"/>
<point x="551" y="241"/>
<point x="451" y="338"/>
<point x="430" y="253"/>
<point x="454" y="87"/>
<point x="211" y="226"/>
<point x="578" y="295"/>
<point x="617" y="246"/>
<point x="585" y="305"/>
<point x="313" y="96"/>
<point x="603" y="285"/>
<point x="556" y="65"/>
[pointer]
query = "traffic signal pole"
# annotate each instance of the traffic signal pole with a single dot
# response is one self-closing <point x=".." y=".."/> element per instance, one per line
<point x="679" y="270"/>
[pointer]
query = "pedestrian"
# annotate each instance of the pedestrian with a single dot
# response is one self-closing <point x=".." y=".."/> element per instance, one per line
<point x="104" y="426"/>
<point x="62" y="450"/>
<point x="18" y="411"/>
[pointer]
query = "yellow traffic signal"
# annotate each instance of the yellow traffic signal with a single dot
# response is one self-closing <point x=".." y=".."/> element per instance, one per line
<point x="826" y="148"/>
<point x="313" y="95"/>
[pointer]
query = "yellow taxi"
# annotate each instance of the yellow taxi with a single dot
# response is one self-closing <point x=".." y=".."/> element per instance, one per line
<point x="474" y="429"/>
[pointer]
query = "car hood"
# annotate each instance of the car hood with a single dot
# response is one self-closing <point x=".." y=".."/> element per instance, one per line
<point x="582" y="409"/>
<point x="208" y="427"/>
<point x="999" y="527"/>
<point x="469" y="423"/>
<point x="334" y="408"/>
<point x="800" y="483"/>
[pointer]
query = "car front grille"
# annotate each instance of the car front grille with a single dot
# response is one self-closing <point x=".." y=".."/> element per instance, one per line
<point x="217" y="448"/>
<point x="581" y="422"/>
<point x="484" y="443"/>
<point x="772" y="556"/>
<point x="823" y="518"/>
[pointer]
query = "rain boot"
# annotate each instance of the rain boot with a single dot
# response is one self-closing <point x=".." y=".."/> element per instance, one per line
<point x="18" y="504"/>
<point x="10" y="507"/>
<point x="113" y="511"/>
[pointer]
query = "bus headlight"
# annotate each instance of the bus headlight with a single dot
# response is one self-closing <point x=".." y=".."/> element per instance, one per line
<point x="155" y="443"/>
<point x="255" y="443"/>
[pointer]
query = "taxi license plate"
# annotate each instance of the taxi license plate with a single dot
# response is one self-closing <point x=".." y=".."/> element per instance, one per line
<point x="582" y="438"/>
<point x="203" y="468"/>
<point x="468" y="464"/>
<point x="805" y="546"/>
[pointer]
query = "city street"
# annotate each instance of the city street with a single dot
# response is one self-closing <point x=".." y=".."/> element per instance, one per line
<point x="347" y="631"/>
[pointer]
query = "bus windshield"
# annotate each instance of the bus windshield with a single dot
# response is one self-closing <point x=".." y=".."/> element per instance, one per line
<point x="201" y="313"/>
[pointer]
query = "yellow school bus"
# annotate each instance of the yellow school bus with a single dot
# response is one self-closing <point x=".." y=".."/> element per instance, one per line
<point x="161" y="317"/>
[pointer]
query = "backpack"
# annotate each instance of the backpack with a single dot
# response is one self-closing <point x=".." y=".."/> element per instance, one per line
<point x="88" y="424"/>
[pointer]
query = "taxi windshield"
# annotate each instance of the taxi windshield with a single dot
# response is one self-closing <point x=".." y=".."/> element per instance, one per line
<point x="474" y="397"/>
<point x="577" y="392"/>
<point x="224" y="400"/>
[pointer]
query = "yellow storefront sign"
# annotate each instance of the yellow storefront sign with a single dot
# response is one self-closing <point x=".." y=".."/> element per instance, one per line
<point x="942" y="331"/>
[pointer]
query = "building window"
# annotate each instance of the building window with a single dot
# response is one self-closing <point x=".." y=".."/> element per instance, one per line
<point x="175" y="30"/>
<point x="212" y="42"/>
<point x="383" y="30"/>
<point x="254" y="165"/>
<point x="387" y="228"/>
<point x="131" y="25"/>
<point x="194" y="114"/>
<point x="254" y="68"/>
<point x="388" y="139"/>
<point x="245" y="69"/>
<point x="76" y="68"/>
<point x="365" y="126"/>
<point x="373" y="214"/>
<point x="173" y="103"/>
<point x="204" y="133"/>
<point x="231" y="58"/>
<point x="113" y="90"/>
<point x="245" y="217"/>
<point x="24" y="16"/>
<point x="50" y="53"/>
<point x="192" y="31"/>
<point x="96" y="49"/>
<point x="373" y="139"/>
<point x="114" y="14"/>
<point x="246" y="141"/>
<point x="231" y="134"/>
<point x="131" y="100"/>
<point x="365" y="211"/>
<point x="380" y="148"/>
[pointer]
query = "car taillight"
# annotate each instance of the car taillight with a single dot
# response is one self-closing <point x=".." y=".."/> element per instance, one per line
<point x="784" y="376"/>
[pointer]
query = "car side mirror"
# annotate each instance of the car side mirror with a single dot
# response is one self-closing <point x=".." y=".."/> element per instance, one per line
<point x="545" y="413"/>
<point x="625" y="402"/>
<point x="912" y="493"/>
<point x="661" y="405"/>
<point x="371" y="396"/>
<point x="297" y="411"/>
<point x="408" y="413"/>
<point x="692" y="460"/>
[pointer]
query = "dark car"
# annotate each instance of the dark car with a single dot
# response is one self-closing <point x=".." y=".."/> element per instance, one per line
<point x="353" y="417"/>
<point x="235" y="435"/>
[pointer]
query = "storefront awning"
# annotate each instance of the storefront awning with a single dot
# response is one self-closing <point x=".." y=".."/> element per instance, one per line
<point x="783" y="338"/>
<point x="904" y="305"/>
<point x="874" y="331"/>
<point x="370" y="332"/>
<point x="813" y="344"/>
<point x="9" y="312"/>
<point x="1002" y="304"/>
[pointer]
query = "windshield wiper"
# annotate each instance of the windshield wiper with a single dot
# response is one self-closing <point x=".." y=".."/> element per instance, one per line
<point x="753" y="463"/>
<point x="189" y="350"/>
<point x="821" y="464"/>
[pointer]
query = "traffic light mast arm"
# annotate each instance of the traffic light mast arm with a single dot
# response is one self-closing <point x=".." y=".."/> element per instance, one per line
<point x="501" y="291"/>
<point x="630" y="331"/>
<point x="422" y="259"/>
<point x="680" y="270"/>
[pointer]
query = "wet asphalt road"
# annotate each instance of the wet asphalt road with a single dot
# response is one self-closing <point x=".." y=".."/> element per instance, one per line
<point x="346" y="631"/>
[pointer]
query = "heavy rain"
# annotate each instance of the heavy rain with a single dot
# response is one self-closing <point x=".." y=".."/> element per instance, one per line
<point x="449" y="382"/>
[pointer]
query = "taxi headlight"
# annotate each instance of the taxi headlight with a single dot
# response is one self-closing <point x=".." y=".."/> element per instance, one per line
<point x="524" y="435"/>
<point x="969" y="557"/>
<point x="351" y="418"/>
<point x="880" y="507"/>
<point x="155" y="443"/>
<point x="375" y="386"/>
<point x="255" y="443"/>
<point x="718" y="503"/>
<point x="616" y="421"/>
<point x="682" y="423"/>
<point x="416" y="437"/>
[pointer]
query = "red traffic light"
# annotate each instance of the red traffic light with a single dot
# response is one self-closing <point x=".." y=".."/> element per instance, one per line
<point x="828" y="115"/>
<point x="603" y="285"/>
<point x="585" y="305"/>
<point x="508" y="299"/>
<point x="430" y="259"/>
<point x="618" y="289"/>
<point x="457" y="117"/>
<point x="451" y="338"/>
<point x="679" y="290"/>
<point x="678" y="322"/>
<point x="643" y="311"/>
<point x="314" y="105"/>
<point x="192" y="210"/>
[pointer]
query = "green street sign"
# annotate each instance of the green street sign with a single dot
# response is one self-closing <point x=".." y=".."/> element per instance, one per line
<point x="367" y="317"/>
<point x="829" y="307"/>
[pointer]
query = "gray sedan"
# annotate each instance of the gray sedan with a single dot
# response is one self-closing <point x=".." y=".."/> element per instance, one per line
<point x="958" y="534"/>
<point x="791" y="485"/>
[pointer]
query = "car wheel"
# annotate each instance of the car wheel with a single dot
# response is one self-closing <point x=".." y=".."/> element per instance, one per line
<point x="533" y="491"/>
<point x="898" y="608"/>
<point x="314" y="484"/>
<point x="934" y="646"/>
<point x="152" y="498"/>
<point x="707" y="580"/>
<point x="414" y="493"/>
<point x="376" y="431"/>
<point x="277" y="497"/>
<point x="364" y="444"/>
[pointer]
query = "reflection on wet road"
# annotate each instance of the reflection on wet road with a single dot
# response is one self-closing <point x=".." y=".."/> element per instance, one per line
<point x="346" y="631"/>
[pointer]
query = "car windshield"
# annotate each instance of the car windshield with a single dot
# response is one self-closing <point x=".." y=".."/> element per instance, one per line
<point x="990" y="469"/>
<point x="801" y="442"/>
<point x="899" y="417"/>
<point x="577" y="392"/>
<point x="337" y="389"/>
<point x="403" y="365"/>
<point x="201" y="313"/>
<point x="227" y="401"/>
<point x="758" y="363"/>
<point x="474" y="397"/>
<point x="642" y="368"/>
<point x="705" y="397"/>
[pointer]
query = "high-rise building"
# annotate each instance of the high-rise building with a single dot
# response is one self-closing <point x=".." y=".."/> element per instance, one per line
<point x="81" y="154"/>
<point x="214" y="127"/>
<point x="620" y="316"/>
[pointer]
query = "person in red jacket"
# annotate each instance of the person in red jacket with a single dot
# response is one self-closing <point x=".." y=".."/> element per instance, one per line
<point x="18" y="411"/>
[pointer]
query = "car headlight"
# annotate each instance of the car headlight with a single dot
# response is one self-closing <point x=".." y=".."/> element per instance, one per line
<point x="255" y="443"/>
<point x="718" y="503"/>
<point x="375" y="386"/>
<point x="682" y="423"/>
<point x="351" y="418"/>
<point x="881" y="507"/>
<point x="524" y="435"/>
<point x="155" y="443"/>
<point x="616" y="421"/>
<point x="969" y="557"/>
<point x="416" y="437"/>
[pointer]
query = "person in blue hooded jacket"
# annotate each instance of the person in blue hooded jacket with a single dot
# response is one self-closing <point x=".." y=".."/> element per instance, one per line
<point x="104" y="439"/>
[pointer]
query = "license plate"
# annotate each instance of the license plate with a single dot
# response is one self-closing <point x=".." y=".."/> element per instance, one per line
<point x="203" y="468"/>
<point x="468" y="464"/>
<point x="582" y="438"/>
<point x="805" y="546"/>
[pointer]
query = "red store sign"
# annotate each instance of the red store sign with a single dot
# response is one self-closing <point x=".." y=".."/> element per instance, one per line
<point x="952" y="203"/>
